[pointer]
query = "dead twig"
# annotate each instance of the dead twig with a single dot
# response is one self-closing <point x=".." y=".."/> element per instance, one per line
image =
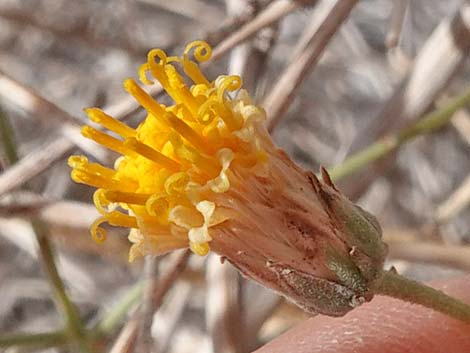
<point x="271" y="14"/>
<point x="435" y="65"/>
<point x="43" y="157"/>
<point x="79" y="32"/>
<point x="223" y="312"/>
<point x="257" y="312"/>
<point x="461" y="123"/>
<point x="196" y="10"/>
<point x="456" y="202"/>
<point x="316" y="37"/>
<point x="33" y="103"/>
<point x="126" y="339"/>
<point x="33" y="164"/>
<point x="147" y="307"/>
<point x="438" y="254"/>
<point x="128" y="334"/>
<point x="37" y="106"/>
<point x="396" y="23"/>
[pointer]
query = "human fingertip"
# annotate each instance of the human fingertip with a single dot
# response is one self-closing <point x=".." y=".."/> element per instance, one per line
<point x="385" y="325"/>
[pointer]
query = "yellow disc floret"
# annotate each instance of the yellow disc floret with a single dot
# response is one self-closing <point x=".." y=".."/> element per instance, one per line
<point x="178" y="161"/>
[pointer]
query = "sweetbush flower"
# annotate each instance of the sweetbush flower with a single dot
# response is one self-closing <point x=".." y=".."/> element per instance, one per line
<point x="204" y="173"/>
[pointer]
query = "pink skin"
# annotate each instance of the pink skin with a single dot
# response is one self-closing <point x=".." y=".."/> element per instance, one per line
<point x="384" y="325"/>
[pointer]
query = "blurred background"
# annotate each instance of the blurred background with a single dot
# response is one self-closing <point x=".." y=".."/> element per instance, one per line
<point x="334" y="77"/>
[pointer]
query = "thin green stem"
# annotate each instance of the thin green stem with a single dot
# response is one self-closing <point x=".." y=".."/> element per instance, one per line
<point x="74" y="326"/>
<point x="429" y="123"/>
<point x="115" y="316"/>
<point x="48" y="339"/>
<point x="396" y="286"/>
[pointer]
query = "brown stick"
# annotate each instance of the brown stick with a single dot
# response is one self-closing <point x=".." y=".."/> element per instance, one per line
<point x="275" y="11"/>
<point x="128" y="334"/>
<point x="435" y="65"/>
<point x="316" y="38"/>
<point x="223" y="311"/>
<point x="147" y="307"/>
<point x="33" y="164"/>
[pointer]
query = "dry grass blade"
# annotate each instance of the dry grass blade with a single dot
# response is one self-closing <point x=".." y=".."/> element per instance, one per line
<point x="80" y="32"/>
<point x="223" y="311"/>
<point x="125" y="342"/>
<point x="317" y="37"/>
<point x="257" y="312"/>
<point x="461" y="123"/>
<point x="32" y="102"/>
<point x="275" y="11"/>
<point x="229" y="26"/>
<point x="396" y="23"/>
<point x="177" y="264"/>
<point x="168" y="318"/>
<point x="147" y="307"/>
<point x="22" y="203"/>
<point x="459" y="200"/>
<point x="437" y="254"/>
<point x="44" y="156"/>
<point x="437" y="62"/>
<point x="37" y="106"/>
<point x="62" y="213"/>
<point x="33" y="164"/>
<point x="194" y="9"/>
<point x="128" y="334"/>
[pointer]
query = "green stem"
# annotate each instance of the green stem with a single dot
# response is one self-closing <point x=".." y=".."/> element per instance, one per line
<point x="75" y="328"/>
<point x="115" y="316"/>
<point x="396" y="286"/>
<point x="429" y="123"/>
<point x="56" y="338"/>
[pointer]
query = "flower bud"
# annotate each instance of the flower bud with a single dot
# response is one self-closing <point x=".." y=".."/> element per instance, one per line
<point x="304" y="239"/>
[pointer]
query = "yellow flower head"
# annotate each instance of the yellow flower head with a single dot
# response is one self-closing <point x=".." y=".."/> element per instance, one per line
<point x="168" y="186"/>
<point x="204" y="172"/>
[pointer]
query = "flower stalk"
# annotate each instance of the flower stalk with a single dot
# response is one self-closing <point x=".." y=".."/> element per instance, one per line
<point x="56" y="338"/>
<point x="396" y="286"/>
